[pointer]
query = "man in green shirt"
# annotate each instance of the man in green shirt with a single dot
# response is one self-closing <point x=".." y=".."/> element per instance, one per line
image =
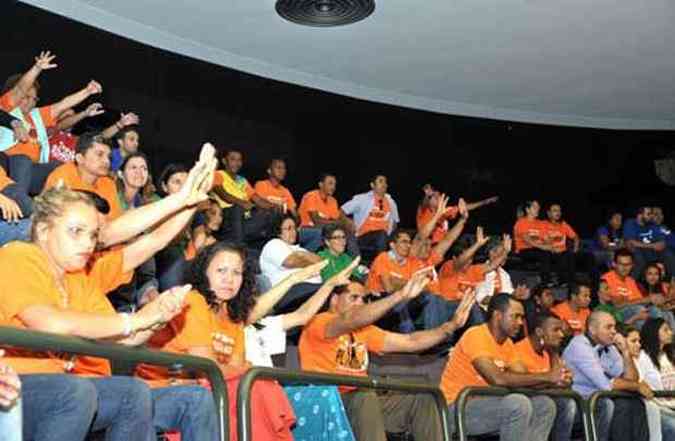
<point x="607" y="306"/>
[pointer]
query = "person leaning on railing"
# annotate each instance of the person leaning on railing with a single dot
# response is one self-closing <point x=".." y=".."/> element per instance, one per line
<point x="55" y="284"/>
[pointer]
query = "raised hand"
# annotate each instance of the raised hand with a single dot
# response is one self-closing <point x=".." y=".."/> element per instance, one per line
<point x="199" y="180"/>
<point x="343" y="277"/>
<point x="620" y="343"/>
<point x="10" y="385"/>
<point x="442" y="205"/>
<point x="309" y="271"/>
<point x="162" y="309"/>
<point x="94" y="109"/>
<point x="44" y="61"/>
<point x="492" y="200"/>
<point x="128" y="119"/>
<point x="417" y="283"/>
<point x="462" y="209"/>
<point x="94" y="88"/>
<point x="507" y="243"/>
<point x="463" y="310"/>
<point x="21" y="134"/>
<point x="481" y="238"/>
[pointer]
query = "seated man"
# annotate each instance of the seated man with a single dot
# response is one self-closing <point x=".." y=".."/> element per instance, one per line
<point x="335" y="239"/>
<point x="319" y="208"/>
<point x="666" y="232"/>
<point x="281" y="257"/>
<point x="646" y="242"/>
<point x="273" y="191"/>
<point x="600" y="360"/>
<point x="626" y="294"/>
<point x="557" y="232"/>
<point x="606" y="305"/>
<point x="540" y="353"/>
<point x="608" y="238"/>
<point x="90" y="172"/>
<point x="338" y="342"/>
<point x="29" y="160"/>
<point x="375" y="217"/>
<point x="486" y="356"/>
<point x="575" y="311"/>
<point x="433" y="223"/>
<point x="247" y="216"/>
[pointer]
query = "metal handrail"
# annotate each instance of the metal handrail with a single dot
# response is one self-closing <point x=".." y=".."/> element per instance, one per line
<point x="257" y="373"/>
<point x="467" y="392"/>
<point x="593" y="401"/>
<point x="43" y="341"/>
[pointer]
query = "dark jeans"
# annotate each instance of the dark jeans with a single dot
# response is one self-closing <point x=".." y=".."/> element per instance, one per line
<point x="371" y="244"/>
<point x="30" y="177"/>
<point x="66" y="407"/>
<point x="240" y="228"/>
<point x="189" y="409"/>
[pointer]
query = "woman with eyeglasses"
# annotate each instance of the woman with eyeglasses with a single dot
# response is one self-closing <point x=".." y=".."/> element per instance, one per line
<point x="334" y="252"/>
<point x="281" y="257"/>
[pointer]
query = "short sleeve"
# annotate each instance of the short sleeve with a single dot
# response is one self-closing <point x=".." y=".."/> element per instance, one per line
<point x="377" y="269"/>
<point x="107" y="271"/>
<point x="290" y="200"/>
<point x="569" y="231"/>
<point x="47" y="116"/>
<point x="451" y="212"/>
<point x="275" y="252"/>
<point x="248" y="190"/>
<point x="7" y="102"/>
<point x="217" y="180"/>
<point x="630" y="231"/>
<point x="475" y="346"/>
<point x="374" y="338"/>
<point x="192" y="327"/>
<point x="602" y="231"/>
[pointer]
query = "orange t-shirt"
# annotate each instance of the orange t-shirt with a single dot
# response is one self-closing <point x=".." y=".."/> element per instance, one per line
<point x="28" y="282"/>
<point x="557" y="234"/>
<point x="275" y="195"/>
<point x="344" y="355"/>
<point x="384" y="264"/>
<point x="625" y="289"/>
<point x="4" y="179"/>
<point x="532" y="228"/>
<point x="477" y="342"/>
<point x="535" y="363"/>
<point x="312" y="201"/>
<point x="378" y="218"/>
<point x="32" y="147"/>
<point x="575" y="320"/>
<point x="192" y="328"/>
<point x="424" y="216"/>
<point x="104" y="186"/>
<point x="454" y="283"/>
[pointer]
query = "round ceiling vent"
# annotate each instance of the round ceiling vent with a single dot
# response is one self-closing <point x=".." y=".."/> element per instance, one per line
<point x="325" y="13"/>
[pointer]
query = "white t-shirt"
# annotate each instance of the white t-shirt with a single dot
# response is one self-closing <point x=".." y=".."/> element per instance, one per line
<point x="486" y="288"/>
<point x="272" y="258"/>
<point x="261" y="344"/>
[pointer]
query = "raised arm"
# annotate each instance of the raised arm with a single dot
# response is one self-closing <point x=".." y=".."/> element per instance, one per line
<point x="44" y="61"/>
<point x="425" y="230"/>
<point x="126" y="119"/>
<point x="451" y="236"/>
<point x="307" y="310"/>
<point x="73" y="100"/>
<point x="473" y="205"/>
<point x="71" y="120"/>
<point x="421" y="340"/>
<point x="268" y="300"/>
<point x="372" y="312"/>
<point x="301" y="259"/>
<point x="467" y="255"/>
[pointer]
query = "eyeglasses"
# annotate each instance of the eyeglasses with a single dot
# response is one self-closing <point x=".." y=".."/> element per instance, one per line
<point x="338" y="237"/>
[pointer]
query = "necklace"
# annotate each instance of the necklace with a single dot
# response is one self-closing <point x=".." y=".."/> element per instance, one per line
<point x="68" y="359"/>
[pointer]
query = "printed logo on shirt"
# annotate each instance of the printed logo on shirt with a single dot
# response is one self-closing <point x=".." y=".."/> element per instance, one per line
<point x="351" y="356"/>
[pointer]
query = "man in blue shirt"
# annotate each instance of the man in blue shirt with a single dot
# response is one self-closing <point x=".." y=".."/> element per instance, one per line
<point x="645" y="240"/>
<point x="600" y="360"/>
<point x="608" y="238"/>
<point x="128" y="140"/>
<point x="666" y="232"/>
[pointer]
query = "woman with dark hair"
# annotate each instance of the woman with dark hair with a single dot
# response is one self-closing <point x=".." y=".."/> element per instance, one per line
<point x="657" y="361"/>
<point x="653" y="282"/>
<point x="281" y="257"/>
<point x="529" y="234"/>
<point x="222" y="305"/>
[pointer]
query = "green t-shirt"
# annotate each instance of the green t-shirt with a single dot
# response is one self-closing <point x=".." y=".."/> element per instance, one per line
<point x="335" y="263"/>
<point x="611" y="309"/>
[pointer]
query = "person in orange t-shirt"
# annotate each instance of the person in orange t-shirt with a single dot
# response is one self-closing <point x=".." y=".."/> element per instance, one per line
<point x="339" y="341"/>
<point x="273" y="191"/>
<point x="213" y="326"/>
<point x="532" y="243"/>
<point x="47" y="289"/>
<point x="319" y="208"/>
<point x="30" y="163"/>
<point x="89" y="172"/>
<point x="575" y="311"/>
<point x="15" y="208"/>
<point x="486" y="355"/>
<point x="539" y="353"/>
<point x="625" y="293"/>
<point x="434" y="223"/>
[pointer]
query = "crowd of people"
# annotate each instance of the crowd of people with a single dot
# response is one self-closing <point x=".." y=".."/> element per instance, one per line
<point x="201" y="262"/>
